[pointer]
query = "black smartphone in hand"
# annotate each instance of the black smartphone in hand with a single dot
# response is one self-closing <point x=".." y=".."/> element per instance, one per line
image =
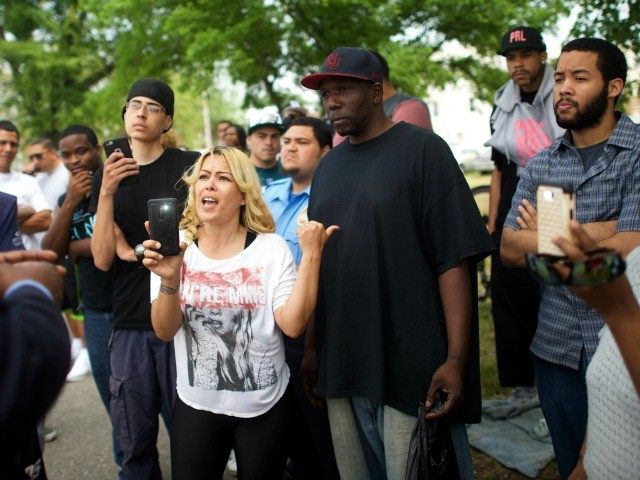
<point x="163" y="224"/>
<point x="121" y="145"/>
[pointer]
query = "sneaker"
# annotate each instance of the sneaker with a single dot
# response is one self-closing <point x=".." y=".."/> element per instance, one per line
<point x="76" y="348"/>
<point x="540" y="429"/>
<point x="524" y="395"/>
<point x="81" y="367"/>
<point x="232" y="466"/>
<point x="50" y="434"/>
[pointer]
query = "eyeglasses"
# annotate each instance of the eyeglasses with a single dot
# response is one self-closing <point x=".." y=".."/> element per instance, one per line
<point x="35" y="156"/>
<point x="601" y="266"/>
<point x="136" y="106"/>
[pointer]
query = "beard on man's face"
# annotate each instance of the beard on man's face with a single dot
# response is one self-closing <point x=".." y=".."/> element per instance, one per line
<point x="585" y="116"/>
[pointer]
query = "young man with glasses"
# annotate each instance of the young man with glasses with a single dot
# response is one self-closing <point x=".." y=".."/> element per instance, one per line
<point x="598" y="156"/>
<point x="34" y="212"/>
<point x="142" y="366"/>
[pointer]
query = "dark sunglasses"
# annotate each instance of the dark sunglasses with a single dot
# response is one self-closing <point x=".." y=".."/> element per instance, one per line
<point x="601" y="266"/>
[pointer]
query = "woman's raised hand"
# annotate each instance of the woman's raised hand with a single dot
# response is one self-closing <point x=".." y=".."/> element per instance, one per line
<point x="313" y="236"/>
<point x="168" y="267"/>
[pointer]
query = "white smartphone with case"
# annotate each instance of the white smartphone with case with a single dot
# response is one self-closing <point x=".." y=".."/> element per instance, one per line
<point x="555" y="210"/>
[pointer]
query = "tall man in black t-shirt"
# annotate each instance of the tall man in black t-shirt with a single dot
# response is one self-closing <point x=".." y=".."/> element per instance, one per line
<point x="70" y="235"/>
<point x="522" y="123"/>
<point x="142" y="366"/>
<point x="396" y="321"/>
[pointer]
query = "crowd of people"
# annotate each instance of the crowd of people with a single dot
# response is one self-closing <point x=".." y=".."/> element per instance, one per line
<point x="325" y="284"/>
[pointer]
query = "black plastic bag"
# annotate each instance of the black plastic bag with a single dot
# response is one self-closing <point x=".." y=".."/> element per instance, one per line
<point x="431" y="454"/>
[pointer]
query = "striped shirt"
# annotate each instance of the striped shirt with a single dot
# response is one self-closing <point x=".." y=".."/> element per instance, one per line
<point x="608" y="190"/>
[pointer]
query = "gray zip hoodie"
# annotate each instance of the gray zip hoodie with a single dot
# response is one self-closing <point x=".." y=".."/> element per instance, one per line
<point x="521" y="130"/>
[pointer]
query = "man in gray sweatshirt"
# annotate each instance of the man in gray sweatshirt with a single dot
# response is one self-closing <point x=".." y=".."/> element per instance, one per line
<point x="522" y="123"/>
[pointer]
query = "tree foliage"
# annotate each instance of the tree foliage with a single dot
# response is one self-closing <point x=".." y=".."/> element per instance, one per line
<point x="616" y="20"/>
<point x="50" y="52"/>
<point x="72" y="60"/>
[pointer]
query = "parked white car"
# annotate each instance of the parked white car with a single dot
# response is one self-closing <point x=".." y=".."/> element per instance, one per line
<point x="472" y="159"/>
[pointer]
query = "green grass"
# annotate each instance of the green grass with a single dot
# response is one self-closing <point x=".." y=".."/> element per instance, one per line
<point x="488" y="368"/>
<point x="475" y="179"/>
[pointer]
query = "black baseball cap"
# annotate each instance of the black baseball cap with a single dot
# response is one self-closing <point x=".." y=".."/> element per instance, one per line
<point x="346" y="62"/>
<point x="522" y="38"/>
<point x="156" y="90"/>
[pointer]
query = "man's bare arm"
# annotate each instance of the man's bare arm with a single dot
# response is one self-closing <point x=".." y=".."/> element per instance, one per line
<point x="24" y="212"/>
<point x="516" y="244"/>
<point x="103" y="241"/>
<point x="80" y="248"/>
<point x="58" y="234"/>
<point x="455" y="294"/>
<point x="38" y="222"/>
<point x="622" y="242"/>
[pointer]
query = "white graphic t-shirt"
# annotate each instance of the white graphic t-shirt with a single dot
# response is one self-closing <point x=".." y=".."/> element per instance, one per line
<point x="229" y="351"/>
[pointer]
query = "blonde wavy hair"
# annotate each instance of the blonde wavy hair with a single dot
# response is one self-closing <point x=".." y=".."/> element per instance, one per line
<point x="254" y="215"/>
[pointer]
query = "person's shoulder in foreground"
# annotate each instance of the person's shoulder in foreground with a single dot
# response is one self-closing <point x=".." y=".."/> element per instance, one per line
<point x="34" y="353"/>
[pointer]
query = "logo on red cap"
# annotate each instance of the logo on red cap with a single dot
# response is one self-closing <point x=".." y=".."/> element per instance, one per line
<point x="333" y="61"/>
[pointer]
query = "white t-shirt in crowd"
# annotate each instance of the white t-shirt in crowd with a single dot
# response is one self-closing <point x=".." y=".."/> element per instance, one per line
<point x="28" y="193"/>
<point x="229" y="351"/>
<point x="54" y="183"/>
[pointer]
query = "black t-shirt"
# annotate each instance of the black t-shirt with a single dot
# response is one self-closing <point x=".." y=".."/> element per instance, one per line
<point x="160" y="179"/>
<point x="96" y="285"/>
<point x="406" y="215"/>
<point x="590" y="155"/>
<point x="509" y="170"/>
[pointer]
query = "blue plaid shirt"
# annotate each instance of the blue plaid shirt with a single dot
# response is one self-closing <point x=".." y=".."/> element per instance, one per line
<point x="609" y="190"/>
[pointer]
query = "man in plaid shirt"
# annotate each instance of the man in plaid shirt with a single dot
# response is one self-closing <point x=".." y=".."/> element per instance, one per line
<point x="599" y="156"/>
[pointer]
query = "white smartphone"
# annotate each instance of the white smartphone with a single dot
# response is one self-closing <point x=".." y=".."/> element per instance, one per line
<point x="555" y="209"/>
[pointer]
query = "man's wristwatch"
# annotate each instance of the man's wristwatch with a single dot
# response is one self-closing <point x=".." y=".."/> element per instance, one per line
<point x="139" y="252"/>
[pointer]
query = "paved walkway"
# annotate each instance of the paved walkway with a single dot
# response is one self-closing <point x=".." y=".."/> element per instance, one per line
<point x="83" y="447"/>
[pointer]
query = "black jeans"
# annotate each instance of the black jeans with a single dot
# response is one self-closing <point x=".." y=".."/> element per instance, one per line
<point x="311" y="454"/>
<point x="515" y="298"/>
<point x="201" y="442"/>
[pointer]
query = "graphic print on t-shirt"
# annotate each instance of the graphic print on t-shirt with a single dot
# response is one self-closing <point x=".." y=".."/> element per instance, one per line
<point x="530" y="139"/>
<point x="222" y="353"/>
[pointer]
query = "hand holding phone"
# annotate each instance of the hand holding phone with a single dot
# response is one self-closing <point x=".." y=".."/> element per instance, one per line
<point x="555" y="210"/>
<point x="121" y="145"/>
<point x="163" y="224"/>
